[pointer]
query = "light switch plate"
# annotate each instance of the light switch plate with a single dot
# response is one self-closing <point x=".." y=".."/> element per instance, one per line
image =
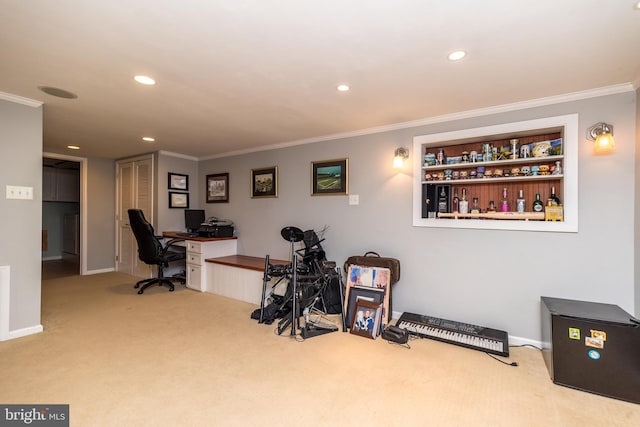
<point x="354" y="199"/>
<point x="18" y="192"/>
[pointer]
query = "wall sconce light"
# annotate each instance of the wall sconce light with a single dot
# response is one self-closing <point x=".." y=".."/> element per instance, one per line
<point x="602" y="134"/>
<point x="401" y="154"/>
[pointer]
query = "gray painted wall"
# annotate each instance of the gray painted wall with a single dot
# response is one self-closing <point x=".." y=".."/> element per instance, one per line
<point x="101" y="196"/>
<point x="173" y="219"/>
<point x="20" y="220"/>
<point x="485" y="277"/>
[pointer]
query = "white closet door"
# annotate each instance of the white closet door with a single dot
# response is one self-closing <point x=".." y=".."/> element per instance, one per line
<point x="134" y="191"/>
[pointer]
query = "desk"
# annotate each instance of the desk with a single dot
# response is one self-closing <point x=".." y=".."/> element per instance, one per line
<point x="238" y="276"/>
<point x="200" y="248"/>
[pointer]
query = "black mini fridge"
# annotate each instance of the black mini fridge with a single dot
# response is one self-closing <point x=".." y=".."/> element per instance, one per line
<point x="592" y="347"/>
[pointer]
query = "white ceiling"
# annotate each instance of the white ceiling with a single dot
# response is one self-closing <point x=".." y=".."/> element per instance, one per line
<point x="235" y="75"/>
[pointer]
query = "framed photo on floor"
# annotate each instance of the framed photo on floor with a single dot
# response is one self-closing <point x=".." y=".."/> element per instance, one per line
<point x="366" y="319"/>
<point x="357" y="294"/>
<point x="217" y="187"/>
<point x="330" y="177"/>
<point x="264" y="182"/>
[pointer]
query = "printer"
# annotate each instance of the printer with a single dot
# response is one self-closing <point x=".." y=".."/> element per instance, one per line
<point x="215" y="227"/>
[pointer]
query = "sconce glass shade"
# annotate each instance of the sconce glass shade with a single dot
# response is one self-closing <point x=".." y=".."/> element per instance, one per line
<point x="401" y="154"/>
<point x="604" y="144"/>
<point x="602" y="134"/>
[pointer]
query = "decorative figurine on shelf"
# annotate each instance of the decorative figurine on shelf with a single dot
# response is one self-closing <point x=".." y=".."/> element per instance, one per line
<point x="514" y="148"/>
<point x="525" y="151"/>
<point x="535" y="170"/>
<point x="557" y="170"/>
<point x="525" y="170"/>
<point x="544" y="170"/>
<point x="515" y="171"/>
<point x="541" y="149"/>
<point x="447" y="174"/>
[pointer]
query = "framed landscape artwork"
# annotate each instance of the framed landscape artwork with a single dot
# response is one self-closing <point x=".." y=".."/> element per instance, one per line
<point x="330" y="177"/>
<point x="264" y="182"/>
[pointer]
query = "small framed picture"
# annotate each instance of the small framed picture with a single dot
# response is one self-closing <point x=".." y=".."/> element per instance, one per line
<point x="366" y="319"/>
<point x="330" y="177"/>
<point x="264" y="182"/>
<point x="178" y="200"/>
<point x="178" y="181"/>
<point x="357" y="294"/>
<point x="218" y="188"/>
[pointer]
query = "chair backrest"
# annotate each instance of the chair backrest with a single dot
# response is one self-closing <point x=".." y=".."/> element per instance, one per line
<point x="149" y="247"/>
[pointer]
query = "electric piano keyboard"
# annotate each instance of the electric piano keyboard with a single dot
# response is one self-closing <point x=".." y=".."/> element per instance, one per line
<point x="462" y="334"/>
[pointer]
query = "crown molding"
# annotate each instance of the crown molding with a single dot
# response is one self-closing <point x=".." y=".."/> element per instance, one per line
<point x="504" y="108"/>
<point x="20" y="100"/>
<point x="181" y="156"/>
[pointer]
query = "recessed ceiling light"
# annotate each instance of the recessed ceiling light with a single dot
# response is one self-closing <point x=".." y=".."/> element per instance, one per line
<point x="73" y="147"/>
<point x="343" y="88"/>
<point x="148" y="139"/>
<point x="145" y="80"/>
<point x="55" y="91"/>
<point x="457" y="55"/>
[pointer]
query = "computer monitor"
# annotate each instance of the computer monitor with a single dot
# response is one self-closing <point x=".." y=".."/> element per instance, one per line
<point x="193" y="218"/>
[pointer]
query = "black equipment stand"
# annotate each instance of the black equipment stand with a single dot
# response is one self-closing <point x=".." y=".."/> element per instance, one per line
<point x="303" y="297"/>
<point x="293" y="235"/>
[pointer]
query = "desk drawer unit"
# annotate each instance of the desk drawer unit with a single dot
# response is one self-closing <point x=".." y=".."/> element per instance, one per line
<point x="198" y="251"/>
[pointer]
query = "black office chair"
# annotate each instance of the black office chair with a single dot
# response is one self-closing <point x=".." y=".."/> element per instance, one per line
<point x="151" y="251"/>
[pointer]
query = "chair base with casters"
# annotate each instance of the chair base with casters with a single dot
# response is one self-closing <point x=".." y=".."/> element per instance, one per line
<point x="160" y="281"/>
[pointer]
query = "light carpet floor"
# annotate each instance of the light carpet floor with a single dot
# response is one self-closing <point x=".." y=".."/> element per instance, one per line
<point x="195" y="359"/>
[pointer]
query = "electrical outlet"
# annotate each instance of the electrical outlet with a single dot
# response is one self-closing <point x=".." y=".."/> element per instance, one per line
<point x="18" y="192"/>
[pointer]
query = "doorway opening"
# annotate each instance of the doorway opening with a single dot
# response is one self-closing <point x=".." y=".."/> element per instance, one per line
<point x="62" y="216"/>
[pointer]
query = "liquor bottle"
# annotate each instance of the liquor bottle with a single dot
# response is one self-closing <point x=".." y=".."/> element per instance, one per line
<point x="553" y="199"/>
<point x="521" y="203"/>
<point x="537" y="204"/>
<point x="492" y="206"/>
<point x="442" y="201"/>
<point x="464" y="203"/>
<point x="456" y="200"/>
<point x="504" y="205"/>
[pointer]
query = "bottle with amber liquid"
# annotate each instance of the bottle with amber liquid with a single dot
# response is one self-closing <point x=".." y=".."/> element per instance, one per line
<point x="553" y="200"/>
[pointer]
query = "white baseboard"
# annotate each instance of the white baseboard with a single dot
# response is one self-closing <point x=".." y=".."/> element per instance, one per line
<point x="25" y="331"/>
<point x="103" y="270"/>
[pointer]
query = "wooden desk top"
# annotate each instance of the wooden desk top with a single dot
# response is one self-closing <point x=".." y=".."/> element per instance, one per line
<point x="175" y="235"/>
<point x="244" y="261"/>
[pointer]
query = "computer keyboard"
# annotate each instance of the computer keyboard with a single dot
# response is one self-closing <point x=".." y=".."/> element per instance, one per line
<point x="185" y="234"/>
